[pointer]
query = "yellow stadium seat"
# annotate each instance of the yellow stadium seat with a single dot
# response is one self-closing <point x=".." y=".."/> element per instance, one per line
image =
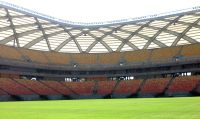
<point x="57" y="58"/>
<point x="137" y="56"/>
<point x="9" y="52"/>
<point x="164" y="53"/>
<point x="191" y="50"/>
<point x="84" y="58"/>
<point x="109" y="58"/>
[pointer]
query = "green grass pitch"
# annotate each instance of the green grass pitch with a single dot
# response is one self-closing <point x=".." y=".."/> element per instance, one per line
<point x="139" y="108"/>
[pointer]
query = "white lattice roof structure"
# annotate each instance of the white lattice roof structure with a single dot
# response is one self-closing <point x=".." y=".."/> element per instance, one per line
<point x="21" y="27"/>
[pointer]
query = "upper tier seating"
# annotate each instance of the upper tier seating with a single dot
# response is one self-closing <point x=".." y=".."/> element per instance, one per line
<point x="183" y="84"/>
<point x="128" y="87"/>
<point x="81" y="88"/>
<point x="41" y="57"/>
<point x="13" y="87"/>
<point x="164" y="53"/>
<point x="109" y="58"/>
<point x="37" y="87"/>
<point x="84" y="58"/>
<point x="34" y="56"/>
<point x="58" y="87"/>
<point x="105" y="87"/>
<point x="9" y="52"/>
<point x="154" y="86"/>
<point x="137" y="56"/>
<point x="191" y="50"/>
<point x="57" y="58"/>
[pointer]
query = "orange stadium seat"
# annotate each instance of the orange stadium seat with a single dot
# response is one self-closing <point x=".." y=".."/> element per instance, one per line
<point x="2" y="92"/>
<point x="198" y="89"/>
<point x="58" y="87"/>
<point x="105" y="87"/>
<point x="37" y="87"/>
<point x="13" y="87"/>
<point x="183" y="84"/>
<point x="154" y="86"/>
<point x="130" y="86"/>
<point x="81" y="88"/>
<point x="103" y="78"/>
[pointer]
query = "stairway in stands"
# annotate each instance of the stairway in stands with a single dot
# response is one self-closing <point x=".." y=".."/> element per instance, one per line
<point x="140" y="88"/>
<point x="167" y="86"/>
<point x="116" y="85"/>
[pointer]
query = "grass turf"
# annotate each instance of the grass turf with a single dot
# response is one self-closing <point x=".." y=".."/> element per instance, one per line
<point x="144" y="108"/>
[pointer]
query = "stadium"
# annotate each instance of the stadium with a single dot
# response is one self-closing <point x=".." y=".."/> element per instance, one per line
<point x="145" y="59"/>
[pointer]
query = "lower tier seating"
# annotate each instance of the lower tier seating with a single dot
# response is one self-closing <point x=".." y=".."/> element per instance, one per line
<point x="2" y="92"/>
<point x="105" y="87"/>
<point x="37" y="87"/>
<point x="130" y="86"/>
<point x="58" y="87"/>
<point x="179" y="85"/>
<point x="183" y="84"/>
<point x="81" y="88"/>
<point x="154" y="86"/>
<point x="198" y="89"/>
<point x="13" y="88"/>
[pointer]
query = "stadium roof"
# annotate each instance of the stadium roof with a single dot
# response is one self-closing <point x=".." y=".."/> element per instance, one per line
<point x="21" y="27"/>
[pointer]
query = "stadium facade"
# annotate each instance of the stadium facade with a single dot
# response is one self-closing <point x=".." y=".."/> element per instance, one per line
<point x="37" y="46"/>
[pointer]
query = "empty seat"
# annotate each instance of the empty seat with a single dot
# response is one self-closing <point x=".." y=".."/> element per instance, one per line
<point x="81" y="88"/>
<point x="191" y="50"/>
<point x="57" y="58"/>
<point x="13" y="87"/>
<point x="137" y="56"/>
<point x="9" y="52"/>
<point x="2" y="92"/>
<point x="164" y="53"/>
<point x="34" y="56"/>
<point x="154" y="86"/>
<point x="84" y="58"/>
<point x="127" y="87"/>
<point x="58" y="87"/>
<point x="183" y="84"/>
<point x="37" y="87"/>
<point x="105" y="87"/>
<point x="109" y="58"/>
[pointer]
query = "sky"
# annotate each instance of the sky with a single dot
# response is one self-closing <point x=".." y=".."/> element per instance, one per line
<point x="102" y="10"/>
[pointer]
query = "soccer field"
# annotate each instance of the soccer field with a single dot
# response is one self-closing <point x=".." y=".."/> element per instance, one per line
<point x="143" y="108"/>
